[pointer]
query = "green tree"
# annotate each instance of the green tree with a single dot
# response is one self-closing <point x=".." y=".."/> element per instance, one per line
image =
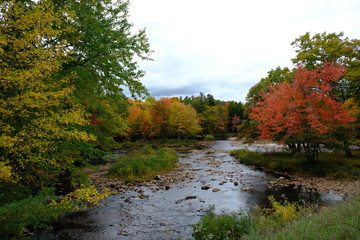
<point x="313" y="51"/>
<point x="104" y="51"/>
<point x="274" y="77"/>
<point x="235" y="114"/>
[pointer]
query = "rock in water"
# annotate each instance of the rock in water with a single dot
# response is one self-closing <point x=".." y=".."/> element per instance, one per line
<point x="207" y="187"/>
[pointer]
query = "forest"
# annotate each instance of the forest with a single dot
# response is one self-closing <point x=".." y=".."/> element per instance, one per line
<point x="64" y="68"/>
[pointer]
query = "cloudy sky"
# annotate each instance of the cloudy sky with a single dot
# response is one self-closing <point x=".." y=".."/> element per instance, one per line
<point x="225" y="47"/>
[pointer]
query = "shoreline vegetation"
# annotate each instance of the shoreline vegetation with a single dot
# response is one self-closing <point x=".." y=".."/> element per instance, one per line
<point x="285" y="220"/>
<point x="334" y="172"/>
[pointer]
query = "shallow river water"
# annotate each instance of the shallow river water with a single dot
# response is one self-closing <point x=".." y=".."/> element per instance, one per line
<point x="170" y="214"/>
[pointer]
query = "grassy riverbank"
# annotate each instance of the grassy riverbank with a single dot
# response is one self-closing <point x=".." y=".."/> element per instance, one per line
<point x="330" y="165"/>
<point x="282" y="222"/>
<point x="144" y="164"/>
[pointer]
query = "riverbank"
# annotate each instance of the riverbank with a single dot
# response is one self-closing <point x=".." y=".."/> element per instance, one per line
<point x="99" y="176"/>
<point x="343" y="187"/>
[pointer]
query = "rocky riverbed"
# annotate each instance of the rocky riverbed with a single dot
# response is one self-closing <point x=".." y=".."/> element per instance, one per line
<point x="167" y="206"/>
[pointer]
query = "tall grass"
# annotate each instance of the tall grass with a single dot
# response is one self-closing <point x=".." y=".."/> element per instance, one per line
<point x="223" y="226"/>
<point x="285" y="221"/>
<point x="143" y="165"/>
<point x="341" y="221"/>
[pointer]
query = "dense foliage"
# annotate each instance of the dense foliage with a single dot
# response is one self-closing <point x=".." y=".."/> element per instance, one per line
<point x="222" y="226"/>
<point x="63" y="65"/>
<point x="315" y="103"/>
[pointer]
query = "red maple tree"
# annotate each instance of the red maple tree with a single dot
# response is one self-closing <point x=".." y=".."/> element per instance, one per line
<point x="302" y="112"/>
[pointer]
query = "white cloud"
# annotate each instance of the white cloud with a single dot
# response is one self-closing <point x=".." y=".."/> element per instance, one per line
<point x="225" y="47"/>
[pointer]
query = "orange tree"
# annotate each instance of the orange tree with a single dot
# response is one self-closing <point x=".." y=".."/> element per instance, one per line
<point x="304" y="111"/>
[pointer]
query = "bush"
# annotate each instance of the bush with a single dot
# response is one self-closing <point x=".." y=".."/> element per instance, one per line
<point x="143" y="165"/>
<point x="213" y="226"/>
<point x="209" y="137"/>
<point x="37" y="211"/>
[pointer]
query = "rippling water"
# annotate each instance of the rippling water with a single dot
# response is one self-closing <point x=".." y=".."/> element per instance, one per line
<point x="170" y="214"/>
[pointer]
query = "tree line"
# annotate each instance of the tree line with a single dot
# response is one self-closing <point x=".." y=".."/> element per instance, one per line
<point x="182" y="118"/>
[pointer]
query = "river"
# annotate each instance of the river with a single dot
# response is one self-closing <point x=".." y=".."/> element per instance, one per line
<point x="217" y="179"/>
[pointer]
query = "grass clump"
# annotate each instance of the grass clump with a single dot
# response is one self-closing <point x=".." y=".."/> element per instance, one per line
<point x="331" y="164"/>
<point x="145" y="164"/>
<point x="219" y="227"/>
<point x="209" y="137"/>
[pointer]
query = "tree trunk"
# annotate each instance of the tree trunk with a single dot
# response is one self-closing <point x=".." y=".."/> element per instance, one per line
<point x="347" y="149"/>
<point x="311" y="152"/>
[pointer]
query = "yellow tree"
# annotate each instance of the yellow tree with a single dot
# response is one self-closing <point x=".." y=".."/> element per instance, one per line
<point x="183" y="120"/>
<point x="39" y="121"/>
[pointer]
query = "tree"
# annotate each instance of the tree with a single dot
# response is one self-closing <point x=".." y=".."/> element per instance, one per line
<point x="275" y="76"/>
<point x="304" y="111"/>
<point x="235" y="114"/>
<point x="184" y="120"/>
<point x="41" y="132"/>
<point x="104" y="54"/>
<point x="214" y="119"/>
<point x="313" y="51"/>
<point x="160" y="113"/>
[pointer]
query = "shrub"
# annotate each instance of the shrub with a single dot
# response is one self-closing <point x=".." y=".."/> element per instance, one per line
<point x="219" y="227"/>
<point x="37" y="211"/>
<point x="209" y="137"/>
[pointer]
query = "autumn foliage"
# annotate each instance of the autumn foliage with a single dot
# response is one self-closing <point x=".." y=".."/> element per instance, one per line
<point x="164" y="118"/>
<point x="303" y="111"/>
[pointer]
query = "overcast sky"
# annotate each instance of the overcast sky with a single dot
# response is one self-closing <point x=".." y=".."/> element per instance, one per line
<point x="225" y="47"/>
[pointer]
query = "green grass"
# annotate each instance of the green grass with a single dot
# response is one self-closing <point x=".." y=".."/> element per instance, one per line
<point x="223" y="226"/>
<point x="209" y="137"/>
<point x="143" y="165"/>
<point x="331" y="164"/>
<point x="281" y="222"/>
<point x="341" y="221"/>
<point x="33" y="211"/>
